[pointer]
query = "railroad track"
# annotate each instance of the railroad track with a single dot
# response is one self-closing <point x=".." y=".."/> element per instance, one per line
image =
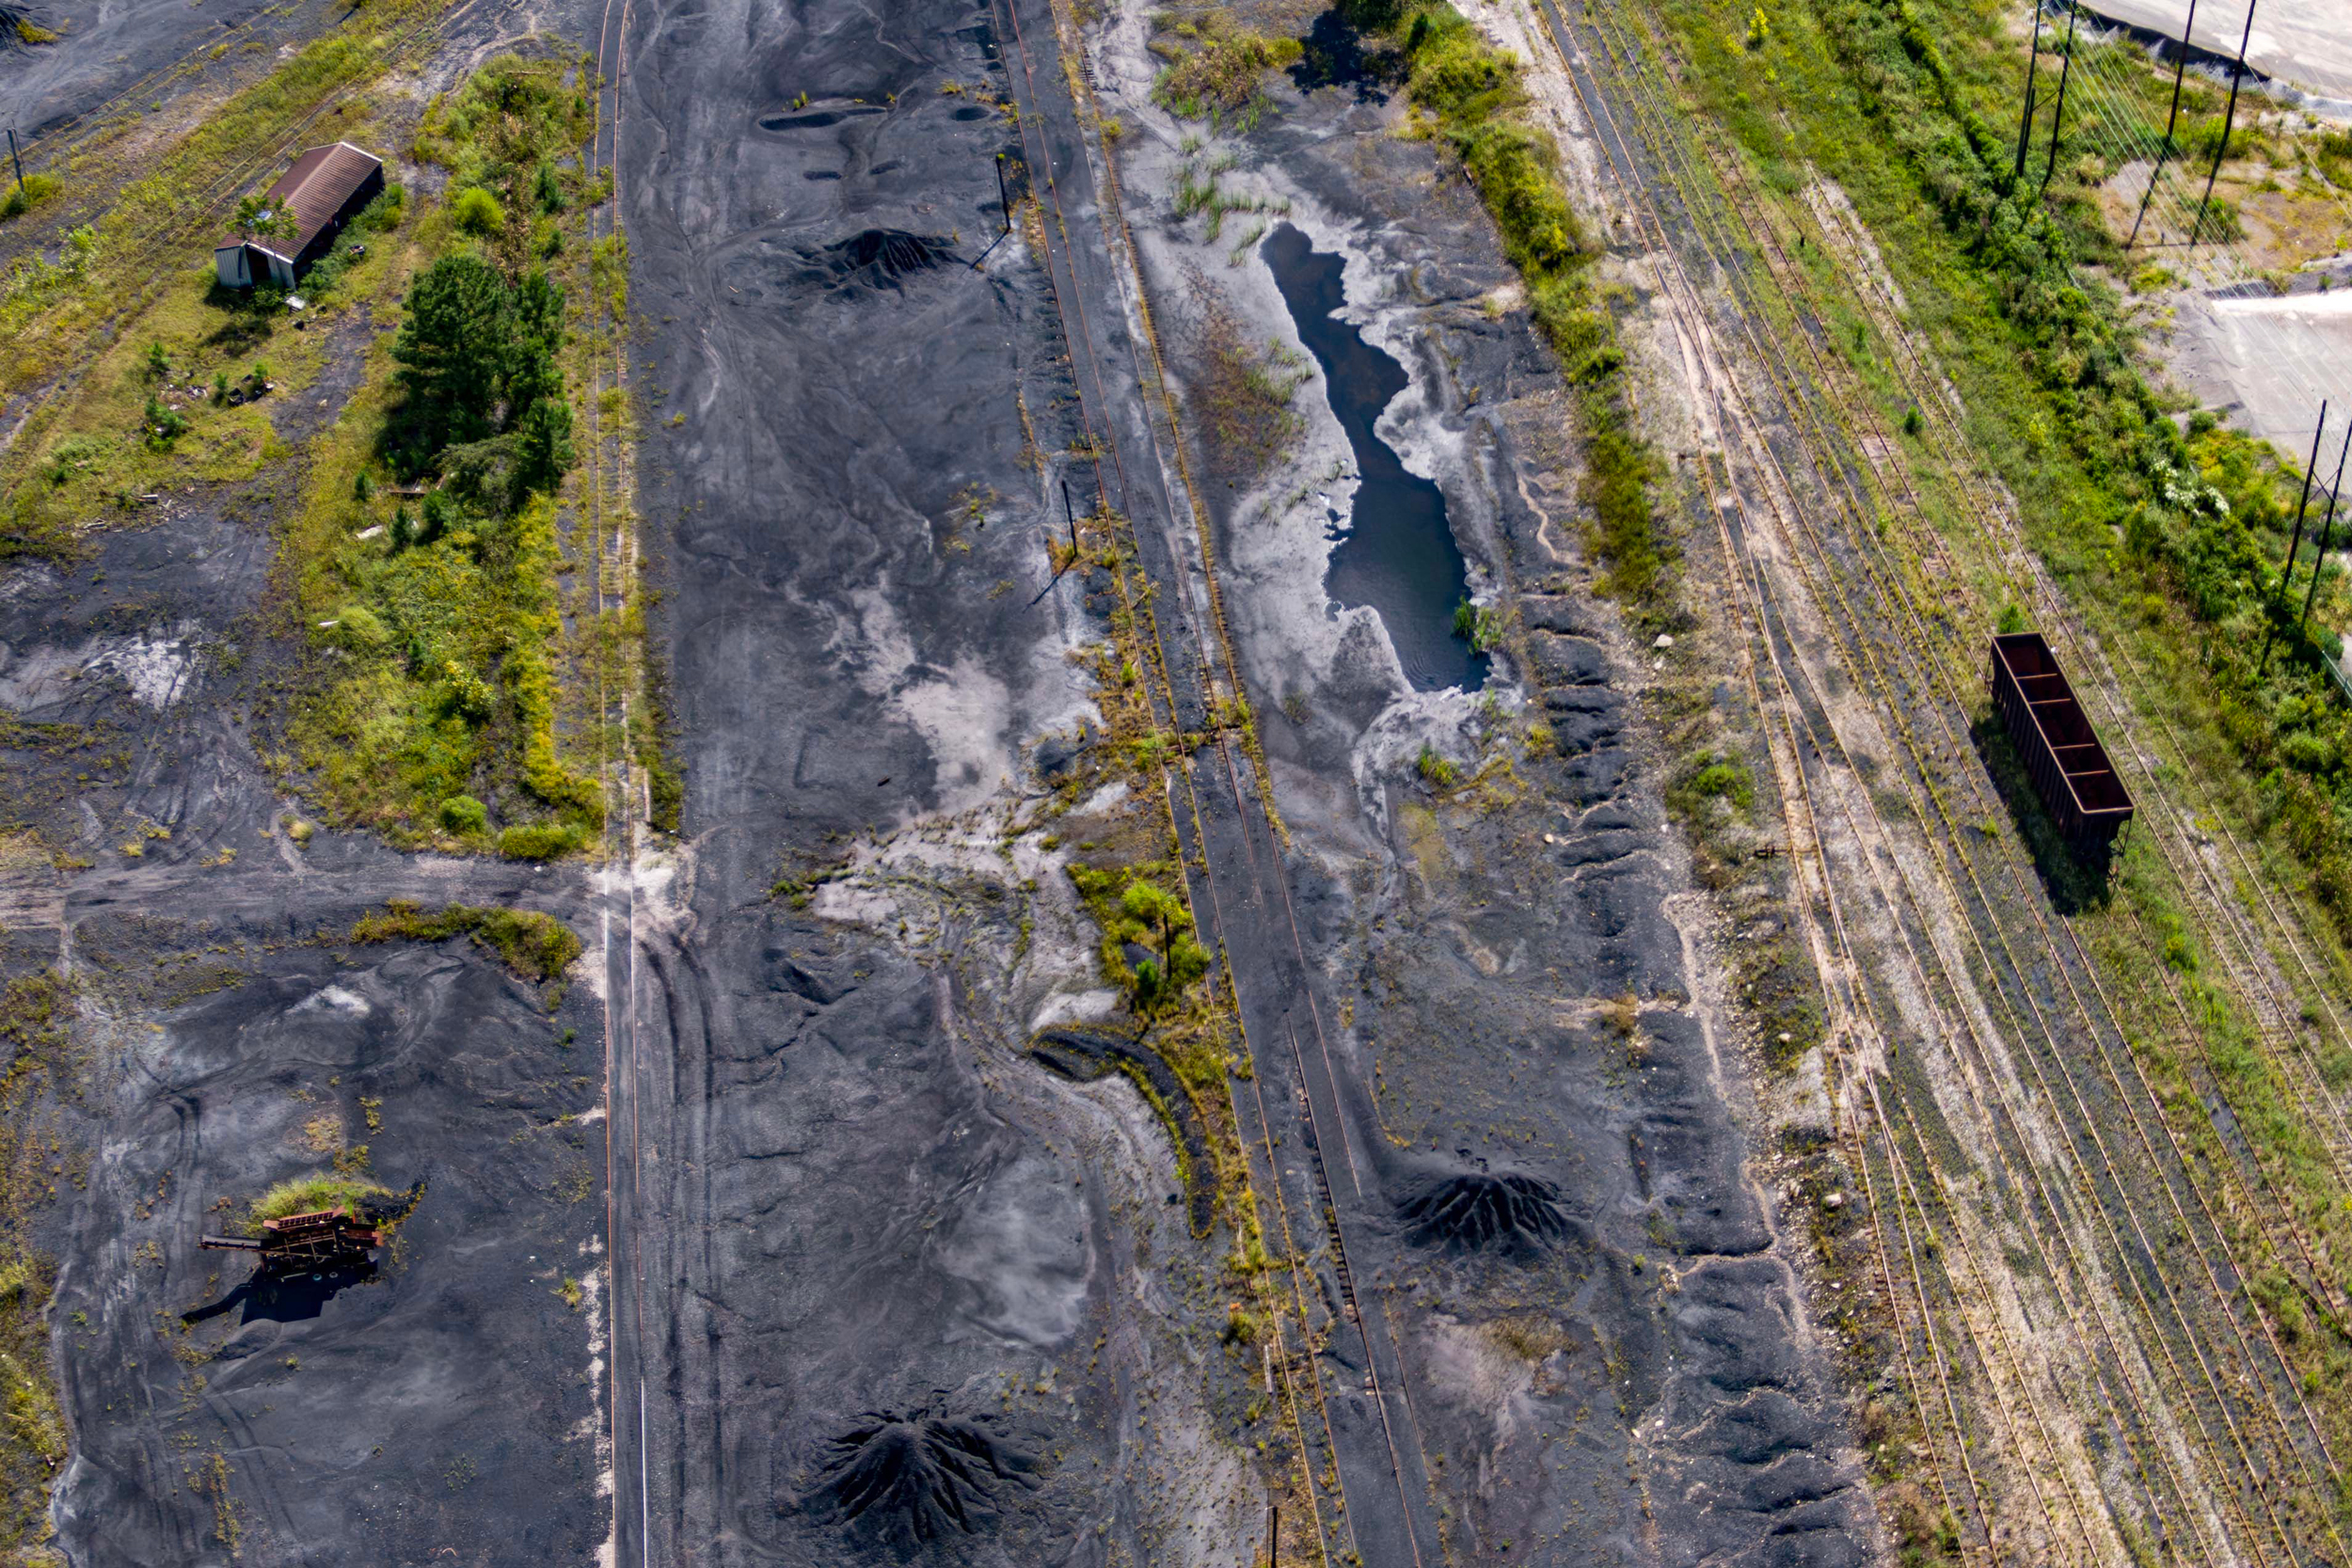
<point x="1210" y="845"/>
<point x="2071" y="983"/>
<point x="608" y="510"/>
<point x="1635" y="191"/>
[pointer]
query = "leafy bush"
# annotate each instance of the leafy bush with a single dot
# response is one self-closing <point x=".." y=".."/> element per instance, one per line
<point x="36" y="189"/>
<point x="539" y="841"/>
<point x="477" y="211"/>
<point x="465" y="815"/>
<point x="358" y="628"/>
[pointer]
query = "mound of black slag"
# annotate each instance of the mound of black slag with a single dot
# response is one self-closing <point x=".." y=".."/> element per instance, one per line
<point x="919" y="1477"/>
<point x="1475" y="1211"/>
<point x="874" y="259"/>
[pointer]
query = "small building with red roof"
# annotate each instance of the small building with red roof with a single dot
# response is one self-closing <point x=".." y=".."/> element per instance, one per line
<point x="326" y="188"/>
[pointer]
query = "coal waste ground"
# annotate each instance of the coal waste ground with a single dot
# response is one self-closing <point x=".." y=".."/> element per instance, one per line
<point x="762" y="1236"/>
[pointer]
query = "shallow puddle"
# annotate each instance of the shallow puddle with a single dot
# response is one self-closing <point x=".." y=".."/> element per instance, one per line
<point x="1395" y="552"/>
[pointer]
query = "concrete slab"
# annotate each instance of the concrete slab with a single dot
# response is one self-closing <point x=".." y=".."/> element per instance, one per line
<point x="2266" y="363"/>
<point x="2307" y="43"/>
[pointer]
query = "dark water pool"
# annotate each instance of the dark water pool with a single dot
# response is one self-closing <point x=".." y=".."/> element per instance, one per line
<point x="1395" y="553"/>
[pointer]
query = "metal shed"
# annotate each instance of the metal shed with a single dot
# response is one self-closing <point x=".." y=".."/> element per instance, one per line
<point x="323" y="190"/>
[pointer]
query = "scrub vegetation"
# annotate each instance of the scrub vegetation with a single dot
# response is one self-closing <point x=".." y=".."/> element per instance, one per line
<point x="426" y="547"/>
<point x="422" y="541"/>
<point x="1215" y="67"/>
<point x="533" y="946"/>
<point x="1243" y="397"/>
<point x="1474" y="103"/>
<point x="1143" y="906"/>
<point x="59" y="311"/>
<point x="1912" y="102"/>
<point x="2168" y="532"/>
<point x="33" y="1016"/>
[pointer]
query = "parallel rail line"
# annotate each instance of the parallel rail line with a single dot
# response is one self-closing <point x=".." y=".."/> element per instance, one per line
<point x="1620" y="174"/>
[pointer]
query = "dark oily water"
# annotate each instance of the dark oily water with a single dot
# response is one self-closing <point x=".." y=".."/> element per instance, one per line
<point x="1395" y="553"/>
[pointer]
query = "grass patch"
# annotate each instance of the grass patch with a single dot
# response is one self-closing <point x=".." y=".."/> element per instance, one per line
<point x="533" y="946"/>
<point x="1215" y="67"/>
<point x="308" y="1194"/>
<point x="1242" y="397"/>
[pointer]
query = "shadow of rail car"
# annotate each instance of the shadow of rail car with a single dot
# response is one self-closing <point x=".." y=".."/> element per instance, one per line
<point x="2076" y="884"/>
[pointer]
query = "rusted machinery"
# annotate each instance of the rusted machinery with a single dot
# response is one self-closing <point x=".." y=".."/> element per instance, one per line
<point x="2053" y="739"/>
<point x="322" y="1242"/>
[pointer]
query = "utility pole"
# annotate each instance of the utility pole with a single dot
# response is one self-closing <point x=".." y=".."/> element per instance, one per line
<point x="2298" y="541"/>
<point x="1004" y="197"/>
<point x="2229" y="117"/>
<point x="17" y="161"/>
<point x="2334" y="489"/>
<point x="2025" y="121"/>
<point x="1073" y="516"/>
<point x="2066" y="69"/>
<point x="2180" y="69"/>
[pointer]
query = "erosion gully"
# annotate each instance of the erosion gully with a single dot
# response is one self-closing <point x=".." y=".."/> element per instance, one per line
<point x="2178" y="1364"/>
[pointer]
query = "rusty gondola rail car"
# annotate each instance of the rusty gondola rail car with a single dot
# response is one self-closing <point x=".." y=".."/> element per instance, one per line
<point x="320" y="1241"/>
<point x="2070" y="768"/>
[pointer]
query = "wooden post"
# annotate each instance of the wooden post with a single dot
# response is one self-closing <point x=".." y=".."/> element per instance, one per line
<point x="2335" y="488"/>
<point x="17" y="161"/>
<point x="1005" y="198"/>
<point x="2229" y="117"/>
<point x="2179" y="70"/>
<point x="2025" y="121"/>
<point x="2297" y="543"/>
<point x="2066" y="71"/>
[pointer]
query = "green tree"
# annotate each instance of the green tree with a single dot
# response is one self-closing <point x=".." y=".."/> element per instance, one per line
<point x="531" y="369"/>
<point x="1155" y="907"/>
<point x="545" y="448"/>
<point x="164" y="424"/>
<point x="452" y="353"/>
<point x="256" y="219"/>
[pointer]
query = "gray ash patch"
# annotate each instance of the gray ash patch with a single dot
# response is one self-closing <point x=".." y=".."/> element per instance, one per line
<point x="1513" y="1215"/>
<point x="919" y="1477"/>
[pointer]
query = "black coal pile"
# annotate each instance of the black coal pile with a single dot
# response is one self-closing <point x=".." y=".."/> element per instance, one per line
<point x="874" y="259"/>
<point x="916" y="1478"/>
<point x="1513" y="1215"/>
